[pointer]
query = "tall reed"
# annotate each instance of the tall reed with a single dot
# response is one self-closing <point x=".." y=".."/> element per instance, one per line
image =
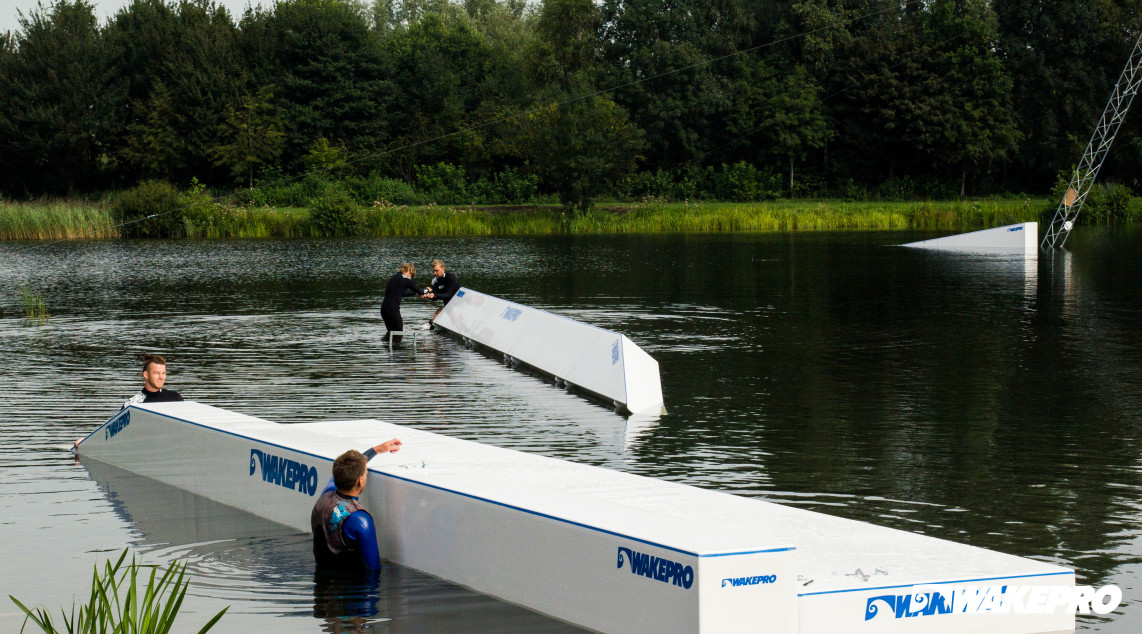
<point x="207" y="219"/>
<point x="115" y="604"/>
<point x="35" y="310"/>
<point x="55" y="220"/>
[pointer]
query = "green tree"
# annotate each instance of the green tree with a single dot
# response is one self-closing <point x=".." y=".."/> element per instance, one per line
<point x="779" y="114"/>
<point x="1063" y="57"/>
<point x="153" y="143"/>
<point x="581" y="147"/>
<point x="976" y="92"/>
<point x="251" y="136"/>
<point x="660" y="57"/>
<point x="61" y="103"/>
<point x="448" y="82"/>
<point x="330" y="74"/>
<point x="182" y="66"/>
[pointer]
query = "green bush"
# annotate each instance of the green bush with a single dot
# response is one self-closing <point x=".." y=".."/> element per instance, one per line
<point x="509" y="187"/>
<point x="376" y="188"/>
<point x="742" y="182"/>
<point x="444" y="184"/>
<point x="1106" y="203"/>
<point x="909" y="188"/>
<point x="335" y="214"/>
<point x="153" y="209"/>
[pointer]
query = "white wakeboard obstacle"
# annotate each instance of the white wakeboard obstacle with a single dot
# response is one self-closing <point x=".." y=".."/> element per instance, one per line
<point x="1021" y="237"/>
<point x="602" y="362"/>
<point x="606" y="550"/>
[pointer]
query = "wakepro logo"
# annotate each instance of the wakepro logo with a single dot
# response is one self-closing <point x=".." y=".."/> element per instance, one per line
<point x="657" y="568"/>
<point x="964" y="599"/>
<point x="1015" y="229"/>
<point x="284" y="472"/>
<point x="749" y="581"/>
<point x="117" y="425"/>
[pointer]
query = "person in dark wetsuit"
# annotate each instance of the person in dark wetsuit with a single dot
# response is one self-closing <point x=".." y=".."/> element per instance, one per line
<point x="344" y="537"/>
<point x="444" y="286"/>
<point x="400" y="285"/>
<point x="154" y="376"/>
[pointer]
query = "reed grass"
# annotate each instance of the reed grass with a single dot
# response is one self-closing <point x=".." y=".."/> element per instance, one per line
<point x="116" y="605"/>
<point x="55" y="220"/>
<point x="35" y="310"/>
<point x="231" y="221"/>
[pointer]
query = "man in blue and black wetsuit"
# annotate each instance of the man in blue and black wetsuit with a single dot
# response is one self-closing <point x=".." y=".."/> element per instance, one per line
<point x="344" y="537"/>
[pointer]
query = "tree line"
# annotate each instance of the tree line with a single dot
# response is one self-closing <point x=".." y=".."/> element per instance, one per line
<point x="668" y="98"/>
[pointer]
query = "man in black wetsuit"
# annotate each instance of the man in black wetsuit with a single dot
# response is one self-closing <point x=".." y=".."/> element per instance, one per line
<point x="154" y="376"/>
<point x="444" y="285"/>
<point x="400" y="285"/>
<point x="344" y="536"/>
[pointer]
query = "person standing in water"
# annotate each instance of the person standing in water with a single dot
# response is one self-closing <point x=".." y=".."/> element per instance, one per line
<point x="344" y="536"/>
<point x="400" y="286"/>
<point x="444" y="286"/>
<point x="154" y="377"/>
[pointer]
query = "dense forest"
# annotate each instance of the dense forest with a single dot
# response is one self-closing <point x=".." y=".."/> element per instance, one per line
<point x="677" y="99"/>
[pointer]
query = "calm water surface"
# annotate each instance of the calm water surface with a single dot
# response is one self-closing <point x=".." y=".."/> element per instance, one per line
<point x="985" y="400"/>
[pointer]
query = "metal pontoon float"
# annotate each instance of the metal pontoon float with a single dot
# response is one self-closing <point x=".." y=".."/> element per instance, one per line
<point x="602" y="362"/>
<point x="606" y="550"/>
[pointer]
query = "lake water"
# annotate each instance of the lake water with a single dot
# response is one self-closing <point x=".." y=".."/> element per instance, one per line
<point x="986" y="400"/>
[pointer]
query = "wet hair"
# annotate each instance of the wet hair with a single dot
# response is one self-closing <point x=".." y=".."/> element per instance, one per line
<point x="408" y="268"/>
<point x="348" y="468"/>
<point x="149" y="359"/>
<point x="436" y="263"/>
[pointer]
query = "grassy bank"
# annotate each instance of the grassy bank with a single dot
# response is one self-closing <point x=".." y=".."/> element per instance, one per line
<point x="71" y="220"/>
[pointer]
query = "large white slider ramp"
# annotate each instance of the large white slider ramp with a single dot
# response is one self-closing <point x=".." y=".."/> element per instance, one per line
<point x="606" y="550"/>
<point x="603" y="362"/>
<point x="1022" y="237"/>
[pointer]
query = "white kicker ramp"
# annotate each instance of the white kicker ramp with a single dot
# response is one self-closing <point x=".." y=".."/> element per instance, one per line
<point x="1019" y="237"/>
<point x="606" y="550"/>
<point x="601" y="361"/>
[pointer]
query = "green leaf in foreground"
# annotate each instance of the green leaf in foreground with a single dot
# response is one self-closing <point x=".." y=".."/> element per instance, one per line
<point x="108" y="610"/>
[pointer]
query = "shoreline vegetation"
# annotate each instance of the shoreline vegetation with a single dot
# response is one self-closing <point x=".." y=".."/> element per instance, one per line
<point x="71" y="220"/>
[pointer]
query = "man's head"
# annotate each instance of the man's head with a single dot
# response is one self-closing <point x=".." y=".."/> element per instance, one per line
<point x="438" y="268"/>
<point x="349" y="471"/>
<point x="408" y="269"/>
<point x="154" y="372"/>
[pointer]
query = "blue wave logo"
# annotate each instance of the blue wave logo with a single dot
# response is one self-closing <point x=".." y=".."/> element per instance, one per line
<point x="117" y="425"/>
<point x="657" y="568"/>
<point x="615" y="352"/>
<point x="910" y="605"/>
<point x="749" y="581"/>
<point x="284" y="472"/>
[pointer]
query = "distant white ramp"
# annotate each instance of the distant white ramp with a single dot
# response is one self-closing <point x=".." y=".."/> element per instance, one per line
<point x="603" y="362"/>
<point x="1020" y="237"/>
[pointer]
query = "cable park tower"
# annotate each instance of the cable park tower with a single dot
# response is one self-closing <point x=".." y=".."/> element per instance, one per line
<point x="1096" y="151"/>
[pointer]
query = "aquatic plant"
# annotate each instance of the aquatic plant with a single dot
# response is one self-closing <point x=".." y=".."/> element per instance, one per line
<point x="116" y="605"/>
<point x="35" y="310"/>
<point x="333" y="213"/>
<point x="55" y="220"/>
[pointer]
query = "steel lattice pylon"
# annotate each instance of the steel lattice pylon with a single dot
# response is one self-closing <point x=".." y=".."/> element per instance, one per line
<point x="1096" y="150"/>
